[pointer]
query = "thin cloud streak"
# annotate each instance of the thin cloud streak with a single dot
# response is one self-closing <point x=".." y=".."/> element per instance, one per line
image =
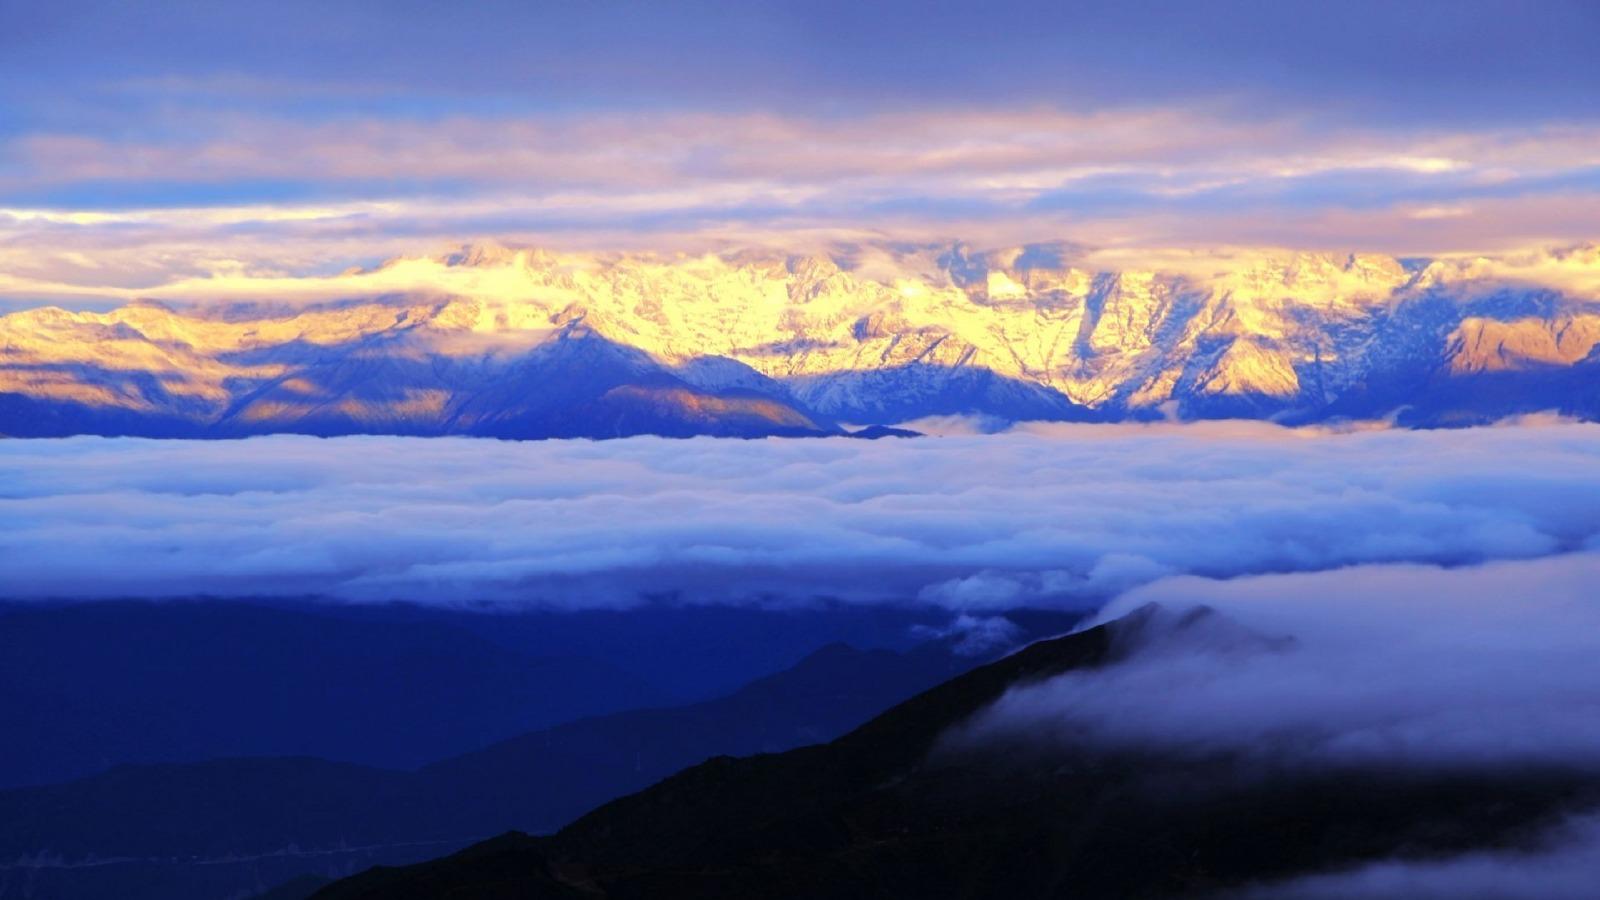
<point x="82" y="212"/>
<point x="1003" y="154"/>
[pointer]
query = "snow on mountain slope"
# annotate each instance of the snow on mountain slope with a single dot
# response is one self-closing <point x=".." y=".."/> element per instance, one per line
<point x="527" y="343"/>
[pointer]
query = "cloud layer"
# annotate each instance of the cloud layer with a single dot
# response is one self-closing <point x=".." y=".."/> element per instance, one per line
<point x="1057" y="515"/>
<point x="87" y="215"/>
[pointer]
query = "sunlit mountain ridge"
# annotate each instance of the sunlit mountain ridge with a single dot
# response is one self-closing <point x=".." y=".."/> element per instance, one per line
<point x="529" y="343"/>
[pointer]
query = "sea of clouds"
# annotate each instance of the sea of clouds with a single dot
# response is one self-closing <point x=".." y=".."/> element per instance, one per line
<point x="1382" y="598"/>
<point x="1061" y="515"/>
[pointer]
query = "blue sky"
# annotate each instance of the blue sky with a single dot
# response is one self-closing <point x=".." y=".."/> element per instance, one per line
<point x="141" y="142"/>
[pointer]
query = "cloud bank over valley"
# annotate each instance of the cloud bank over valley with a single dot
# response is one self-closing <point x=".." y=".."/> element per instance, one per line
<point x="1057" y="516"/>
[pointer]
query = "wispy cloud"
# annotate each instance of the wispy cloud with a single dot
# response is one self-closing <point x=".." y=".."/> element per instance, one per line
<point x="273" y="193"/>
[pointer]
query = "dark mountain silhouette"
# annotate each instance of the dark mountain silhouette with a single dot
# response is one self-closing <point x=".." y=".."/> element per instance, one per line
<point x="95" y="685"/>
<point x="693" y="652"/>
<point x="827" y="693"/>
<point x="182" y="827"/>
<point x="887" y="812"/>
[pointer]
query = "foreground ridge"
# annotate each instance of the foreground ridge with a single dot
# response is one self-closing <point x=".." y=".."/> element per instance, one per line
<point x="891" y="810"/>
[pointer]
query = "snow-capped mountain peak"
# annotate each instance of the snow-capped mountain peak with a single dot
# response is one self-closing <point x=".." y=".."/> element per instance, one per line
<point x="492" y="334"/>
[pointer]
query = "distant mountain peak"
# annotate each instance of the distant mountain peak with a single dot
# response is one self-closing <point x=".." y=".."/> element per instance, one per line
<point x="489" y="254"/>
<point x="866" y="334"/>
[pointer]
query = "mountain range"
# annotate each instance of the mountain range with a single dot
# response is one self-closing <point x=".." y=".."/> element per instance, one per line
<point x="231" y="826"/>
<point x="523" y="343"/>
<point x="99" y="685"/>
<point x="105" y="684"/>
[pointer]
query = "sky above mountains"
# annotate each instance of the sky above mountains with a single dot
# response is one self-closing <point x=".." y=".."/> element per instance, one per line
<point x="141" y="144"/>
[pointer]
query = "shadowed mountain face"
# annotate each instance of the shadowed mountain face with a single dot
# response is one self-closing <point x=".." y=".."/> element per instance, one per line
<point x="97" y="685"/>
<point x="891" y="811"/>
<point x="530" y="345"/>
<point x="214" y="828"/>
<point x="103" y="684"/>
<point x="575" y="384"/>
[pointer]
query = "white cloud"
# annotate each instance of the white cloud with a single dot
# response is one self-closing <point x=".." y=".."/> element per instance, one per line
<point x="1487" y="669"/>
<point x="974" y="635"/>
<point x="1058" y="515"/>
<point x="1399" y="664"/>
<point x="1140" y="182"/>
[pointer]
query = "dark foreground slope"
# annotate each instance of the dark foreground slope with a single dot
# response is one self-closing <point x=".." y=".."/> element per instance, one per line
<point x="889" y="811"/>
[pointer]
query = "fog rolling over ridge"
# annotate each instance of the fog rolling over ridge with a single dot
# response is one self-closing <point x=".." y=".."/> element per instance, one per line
<point x="1400" y="668"/>
<point x="533" y="344"/>
<point x="1051" y="515"/>
<point x="1391" y="665"/>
